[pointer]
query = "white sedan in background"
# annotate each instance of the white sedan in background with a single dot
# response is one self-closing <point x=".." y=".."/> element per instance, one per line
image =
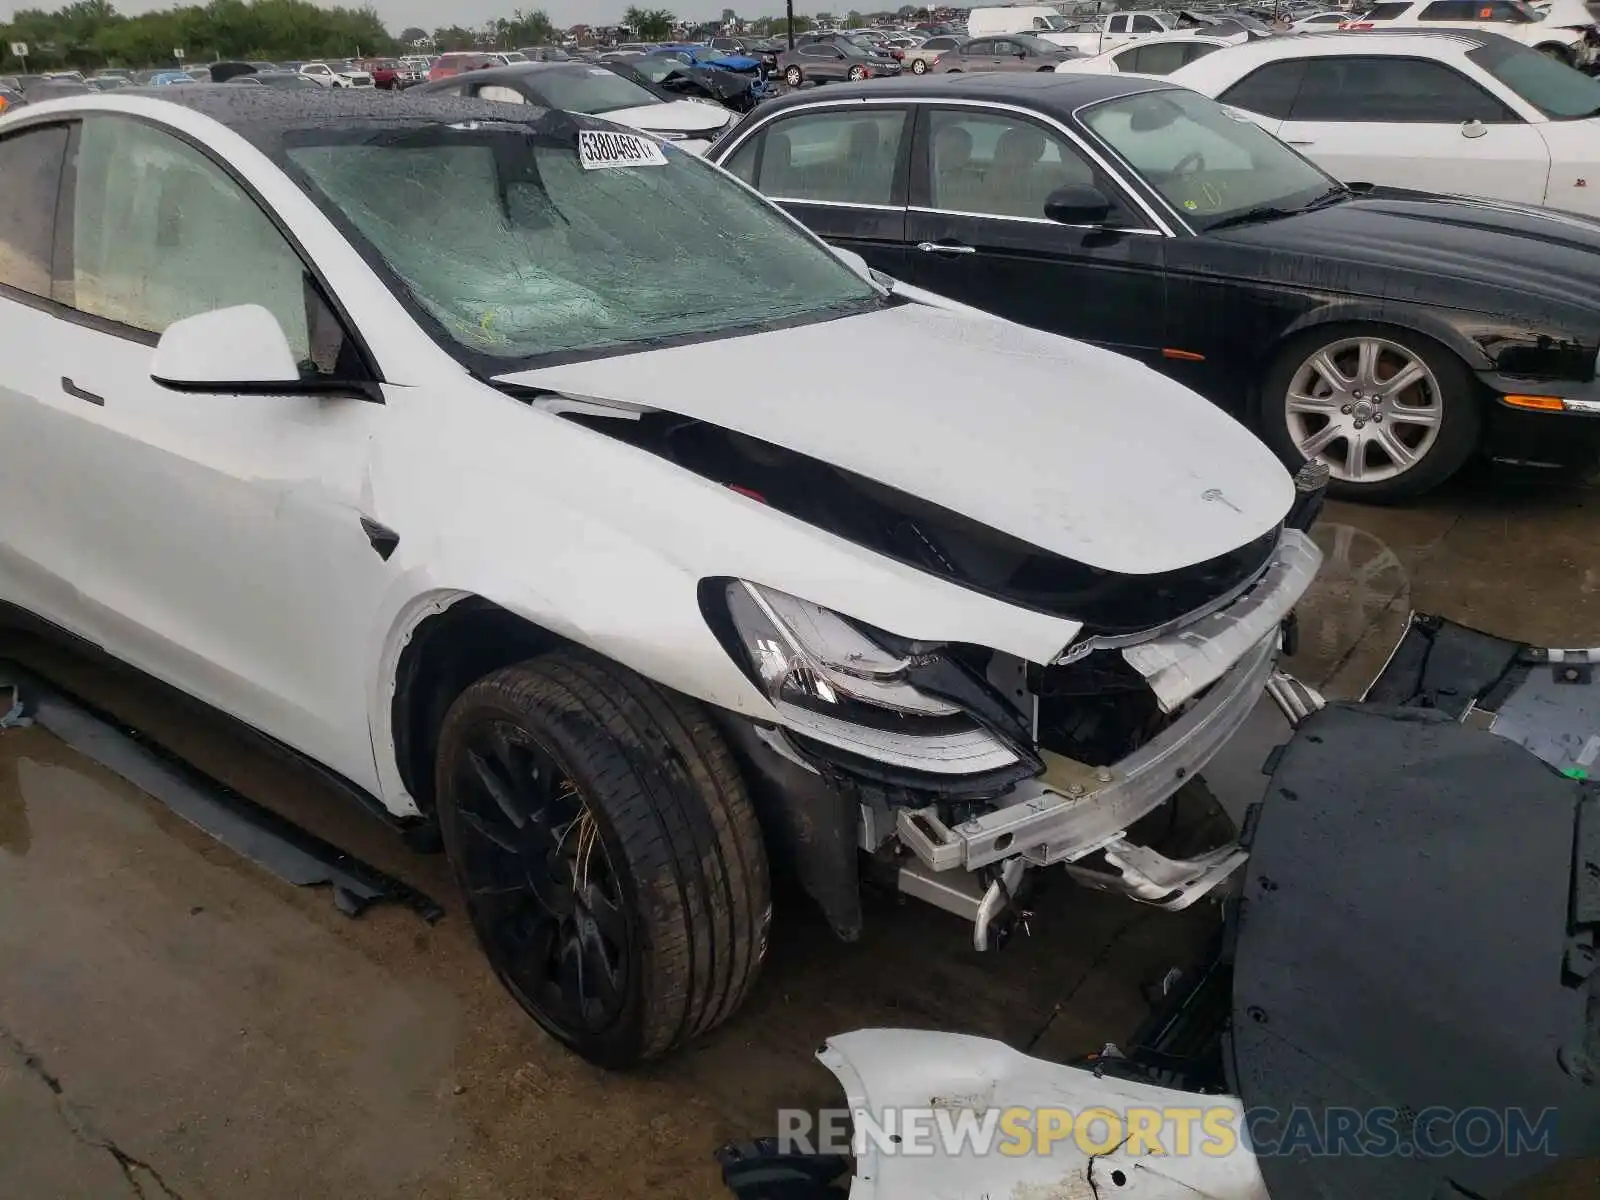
<point x="1454" y="111"/>
<point x="1160" y="54"/>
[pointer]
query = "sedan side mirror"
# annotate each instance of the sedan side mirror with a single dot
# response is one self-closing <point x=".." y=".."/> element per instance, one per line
<point x="242" y="348"/>
<point x="1077" y="204"/>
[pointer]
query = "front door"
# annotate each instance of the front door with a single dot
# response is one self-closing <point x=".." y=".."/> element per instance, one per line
<point x="976" y="232"/>
<point x="218" y="539"/>
<point x="1412" y="123"/>
<point x="840" y="170"/>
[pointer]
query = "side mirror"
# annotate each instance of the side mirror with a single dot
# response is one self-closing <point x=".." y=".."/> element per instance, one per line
<point x="1077" y="204"/>
<point x="227" y="350"/>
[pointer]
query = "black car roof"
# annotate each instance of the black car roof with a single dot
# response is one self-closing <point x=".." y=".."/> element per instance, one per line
<point x="1047" y="91"/>
<point x="510" y="71"/>
<point x="262" y="115"/>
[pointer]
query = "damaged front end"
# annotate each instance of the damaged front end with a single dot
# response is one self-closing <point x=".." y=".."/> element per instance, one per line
<point x="959" y="769"/>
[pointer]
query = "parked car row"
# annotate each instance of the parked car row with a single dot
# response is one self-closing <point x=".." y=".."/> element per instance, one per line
<point x="1391" y="333"/>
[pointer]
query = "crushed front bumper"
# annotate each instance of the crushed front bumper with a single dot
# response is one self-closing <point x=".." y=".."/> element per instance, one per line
<point x="1212" y="672"/>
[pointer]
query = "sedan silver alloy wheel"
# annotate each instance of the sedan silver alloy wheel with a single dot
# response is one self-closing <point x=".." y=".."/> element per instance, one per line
<point x="1368" y="407"/>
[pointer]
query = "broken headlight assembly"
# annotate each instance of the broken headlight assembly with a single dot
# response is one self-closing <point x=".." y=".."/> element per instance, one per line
<point x="834" y="685"/>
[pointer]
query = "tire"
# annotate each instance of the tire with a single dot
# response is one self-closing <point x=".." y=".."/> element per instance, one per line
<point x="667" y="943"/>
<point x="857" y="74"/>
<point x="919" y="66"/>
<point x="792" y="76"/>
<point x="1433" y="423"/>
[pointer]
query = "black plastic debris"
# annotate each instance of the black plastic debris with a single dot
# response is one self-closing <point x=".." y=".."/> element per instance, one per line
<point x="1410" y="942"/>
<point x="266" y="838"/>
<point x="760" y="1170"/>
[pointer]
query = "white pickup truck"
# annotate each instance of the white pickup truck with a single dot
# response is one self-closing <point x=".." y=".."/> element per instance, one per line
<point x="1112" y="30"/>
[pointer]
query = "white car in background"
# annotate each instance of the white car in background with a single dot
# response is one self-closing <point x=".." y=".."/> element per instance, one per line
<point x="1321" y="22"/>
<point x="1559" y="28"/>
<point x="344" y="75"/>
<point x="1161" y="54"/>
<point x="1453" y="111"/>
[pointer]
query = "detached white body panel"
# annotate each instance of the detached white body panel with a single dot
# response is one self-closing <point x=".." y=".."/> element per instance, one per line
<point x="894" y="1071"/>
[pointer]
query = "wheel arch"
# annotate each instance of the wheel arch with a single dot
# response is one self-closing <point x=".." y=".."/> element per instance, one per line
<point x="452" y="641"/>
<point x="1436" y="327"/>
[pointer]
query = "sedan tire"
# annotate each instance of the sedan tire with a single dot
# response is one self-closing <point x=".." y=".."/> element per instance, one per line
<point x="857" y="74"/>
<point x="1393" y="414"/>
<point x="919" y="66"/>
<point x="792" y="76"/>
<point x="607" y="851"/>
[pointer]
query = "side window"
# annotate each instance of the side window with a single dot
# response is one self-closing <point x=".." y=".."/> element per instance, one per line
<point x="1128" y="60"/>
<point x="743" y="162"/>
<point x="998" y="165"/>
<point x="160" y="232"/>
<point x="504" y="95"/>
<point x="30" y="164"/>
<point x="1404" y="90"/>
<point x="1118" y="25"/>
<point x="1161" y="58"/>
<point x="1008" y="49"/>
<point x="1143" y="24"/>
<point x="843" y="157"/>
<point x="1196" y="50"/>
<point x="1268" y="90"/>
<point x="1451" y="10"/>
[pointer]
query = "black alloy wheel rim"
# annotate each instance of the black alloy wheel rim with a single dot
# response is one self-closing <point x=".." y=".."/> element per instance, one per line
<point x="544" y="897"/>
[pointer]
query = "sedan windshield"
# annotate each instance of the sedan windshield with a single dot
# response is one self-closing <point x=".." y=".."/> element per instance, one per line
<point x="589" y="90"/>
<point x="517" y="255"/>
<point x="1555" y="89"/>
<point x="1210" y="163"/>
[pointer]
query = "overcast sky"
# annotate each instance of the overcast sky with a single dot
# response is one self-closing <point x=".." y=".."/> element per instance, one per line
<point x="429" y="14"/>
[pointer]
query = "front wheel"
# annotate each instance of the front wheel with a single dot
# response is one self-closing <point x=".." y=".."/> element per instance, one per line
<point x="919" y="67"/>
<point x="1392" y="413"/>
<point x="610" y="860"/>
<point x="857" y="74"/>
<point x="792" y="76"/>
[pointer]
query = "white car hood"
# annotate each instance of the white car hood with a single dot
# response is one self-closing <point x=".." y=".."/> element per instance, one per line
<point x="675" y="116"/>
<point x="1070" y="448"/>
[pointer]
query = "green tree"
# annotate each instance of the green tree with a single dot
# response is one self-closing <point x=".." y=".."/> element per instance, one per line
<point x="530" y="29"/>
<point x="413" y="33"/>
<point x="652" y="25"/>
<point x="453" y="37"/>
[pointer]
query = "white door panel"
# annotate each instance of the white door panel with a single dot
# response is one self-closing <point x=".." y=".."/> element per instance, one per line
<point x="1507" y="162"/>
<point x="218" y="545"/>
<point x="1574" y="183"/>
<point x="40" y="429"/>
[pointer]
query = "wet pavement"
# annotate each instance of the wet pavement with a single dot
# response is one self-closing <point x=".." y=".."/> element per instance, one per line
<point x="174" y="1022"/>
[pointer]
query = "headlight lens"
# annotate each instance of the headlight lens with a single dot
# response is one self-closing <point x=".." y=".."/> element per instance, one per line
<point x="829" y="681"/>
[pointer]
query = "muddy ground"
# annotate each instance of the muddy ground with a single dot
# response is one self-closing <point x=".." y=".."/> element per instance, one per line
<point x="174" y="1022"/>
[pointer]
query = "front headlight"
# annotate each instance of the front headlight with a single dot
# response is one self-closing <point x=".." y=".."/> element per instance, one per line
<point x="830" y="682"/>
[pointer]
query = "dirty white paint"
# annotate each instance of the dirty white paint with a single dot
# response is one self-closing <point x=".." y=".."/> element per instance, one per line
<point x="214" y="541"/>
<point x="897" y="1069"/>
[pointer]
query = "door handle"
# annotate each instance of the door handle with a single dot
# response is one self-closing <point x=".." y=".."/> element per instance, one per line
<point x="77" y="392"/>
<point x="944" y="248"/>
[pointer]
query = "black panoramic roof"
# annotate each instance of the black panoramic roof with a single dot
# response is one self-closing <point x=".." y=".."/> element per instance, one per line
<point x="1046" y="91"/>
<point x="264" y="115"/>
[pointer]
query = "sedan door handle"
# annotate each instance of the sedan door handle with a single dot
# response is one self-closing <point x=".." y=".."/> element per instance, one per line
<point x="944" y="248"/>
<point x="74" y="390"/>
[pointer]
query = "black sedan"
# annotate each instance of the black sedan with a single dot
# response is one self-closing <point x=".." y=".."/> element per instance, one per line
<point x="1391" y="334"/>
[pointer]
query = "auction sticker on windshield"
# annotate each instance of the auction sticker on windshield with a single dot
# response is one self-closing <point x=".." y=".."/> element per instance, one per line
<point x="600" y="149"/>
